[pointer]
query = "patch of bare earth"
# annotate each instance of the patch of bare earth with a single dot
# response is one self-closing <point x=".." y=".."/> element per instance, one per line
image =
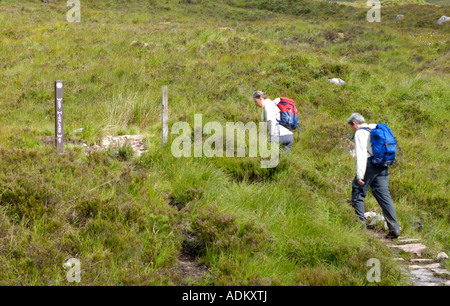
<point x="188" y="267"/>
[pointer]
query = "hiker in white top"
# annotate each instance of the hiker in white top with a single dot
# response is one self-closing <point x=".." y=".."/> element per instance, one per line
<point x="363" y="149"/>
<point x="271" y="114"/>
<point x="369" y="175"/>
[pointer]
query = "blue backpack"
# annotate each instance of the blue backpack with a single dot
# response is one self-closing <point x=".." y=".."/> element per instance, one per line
<point x="384" y="145"/>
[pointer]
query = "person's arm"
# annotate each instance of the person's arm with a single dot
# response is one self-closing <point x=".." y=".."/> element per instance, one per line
<point x="361" y="153"/>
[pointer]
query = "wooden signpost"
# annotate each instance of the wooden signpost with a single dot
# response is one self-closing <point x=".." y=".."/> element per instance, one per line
<point x="165" y="116"/>
<point x="59" y="116"/>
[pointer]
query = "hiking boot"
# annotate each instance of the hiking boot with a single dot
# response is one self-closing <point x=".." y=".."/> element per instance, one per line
<point x="392" y="235"/>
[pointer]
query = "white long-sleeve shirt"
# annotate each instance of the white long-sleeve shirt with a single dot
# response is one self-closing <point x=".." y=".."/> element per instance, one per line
<point x="271" y="114"/>
<point x="363" y="148"/>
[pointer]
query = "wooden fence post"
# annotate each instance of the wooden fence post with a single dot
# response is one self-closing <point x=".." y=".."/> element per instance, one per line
<point x="165" y="115"/>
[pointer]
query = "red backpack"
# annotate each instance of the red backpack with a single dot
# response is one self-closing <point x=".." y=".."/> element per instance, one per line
<point x="288" y="114"/>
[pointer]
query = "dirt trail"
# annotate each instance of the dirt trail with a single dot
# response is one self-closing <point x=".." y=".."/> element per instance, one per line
<point x="188" y="266"/>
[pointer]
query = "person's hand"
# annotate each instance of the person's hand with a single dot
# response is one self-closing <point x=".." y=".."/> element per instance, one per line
<point x="360" y="182"/>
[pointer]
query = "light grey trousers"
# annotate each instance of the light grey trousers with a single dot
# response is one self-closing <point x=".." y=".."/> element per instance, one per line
<point x="378" y="179"/>
<point x="286" y="141"/>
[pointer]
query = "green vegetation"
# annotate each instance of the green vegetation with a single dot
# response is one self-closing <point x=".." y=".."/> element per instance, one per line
<point x="128" y="219"/>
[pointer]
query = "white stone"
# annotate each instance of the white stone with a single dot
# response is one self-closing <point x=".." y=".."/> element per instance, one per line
<point x="399" y="16"/>
<point x="443" y="19"/>
<point x="441" y="257"/>
<point x="135" y="141"/>
<point x="372" y="218"/>
<point x="430" y="266"/>
<point x="336" y="81"/>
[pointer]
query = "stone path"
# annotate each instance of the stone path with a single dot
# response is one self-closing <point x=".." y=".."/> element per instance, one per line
<point x="135" y="141"/>
<point x="422" y="271"/>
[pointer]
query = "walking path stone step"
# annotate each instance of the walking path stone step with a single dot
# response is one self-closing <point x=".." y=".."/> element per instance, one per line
<point x="430" y="266"/>
<point x="407" y="240"/>
<point x="415" y="248"/>
<point x="421" y="260"/>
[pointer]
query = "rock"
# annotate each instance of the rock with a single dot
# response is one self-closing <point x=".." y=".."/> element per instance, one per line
<point x="440" y="272"/>
<point x="136" y="43"/>
<point x="415" y="248"/>
<point x="78" y="130"/>
<point x="399" y="16"/>
<point x="441" y="257"/>
<point x="135" y="141"/>
<point x="443" y="19"/>
<point x="336" y="81"/>
<point x="430" y="266"/>
<point x="425" y="277"/>
<point x="407" y="240"/>
<point x="421" y="260"/>
<point x="372" y="219"/>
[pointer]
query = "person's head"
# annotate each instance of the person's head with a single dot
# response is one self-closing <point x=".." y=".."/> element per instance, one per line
<point x="355" y="121"/>
<point x="258" y="97"/>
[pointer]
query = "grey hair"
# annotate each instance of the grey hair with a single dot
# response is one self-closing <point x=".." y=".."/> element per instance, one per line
<point x="258" y="94"/>
<point x="356" y="117"/>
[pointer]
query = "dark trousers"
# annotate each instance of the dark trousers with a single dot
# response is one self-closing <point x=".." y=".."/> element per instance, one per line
<point x="378" y="179"/>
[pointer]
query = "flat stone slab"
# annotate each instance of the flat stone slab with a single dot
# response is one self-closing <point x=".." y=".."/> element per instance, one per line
<point x="430" y="266"/>
<point x="425" y="277"/>
<point x="415" y="248"/>
<point x="440" y="271"/>
<point x="407" y="240"/>
<point x="421" y="260"/>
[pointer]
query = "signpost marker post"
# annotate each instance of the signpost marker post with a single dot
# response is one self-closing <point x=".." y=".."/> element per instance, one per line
<point x="59" y="116"/>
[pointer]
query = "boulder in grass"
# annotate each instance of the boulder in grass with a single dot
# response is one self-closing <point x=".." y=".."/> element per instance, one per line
<point x="399" y="16"/>
<point x="336" y="81"/>
<point x="373" y="219"/>
<point x="443" y="19"/>
<point x="136" y="43"/>
<point x="441" y="257"/>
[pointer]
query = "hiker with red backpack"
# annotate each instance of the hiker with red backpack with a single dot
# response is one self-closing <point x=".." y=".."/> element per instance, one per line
<point x="375" y="147"/>
<point x="281" y="116"/>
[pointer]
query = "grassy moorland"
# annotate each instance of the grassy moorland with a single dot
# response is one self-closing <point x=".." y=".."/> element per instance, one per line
<point x="127" y="218"/>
